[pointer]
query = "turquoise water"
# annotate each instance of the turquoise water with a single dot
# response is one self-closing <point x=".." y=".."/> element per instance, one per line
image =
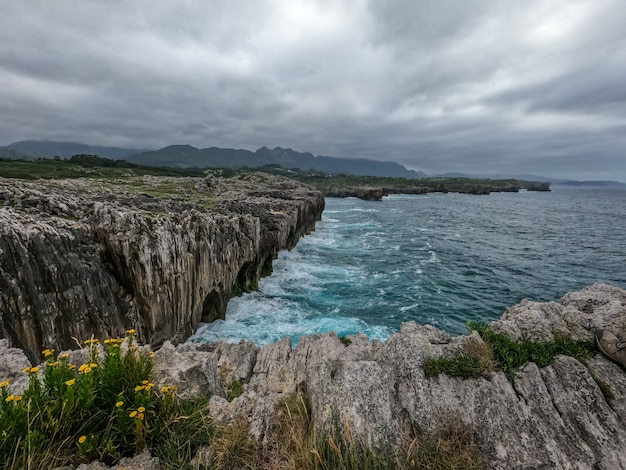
<point x="441" y="259"/>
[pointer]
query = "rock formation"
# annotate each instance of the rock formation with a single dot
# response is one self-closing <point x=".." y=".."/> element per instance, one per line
<point x="551" y="417"/>
<point x="86" y="257"/>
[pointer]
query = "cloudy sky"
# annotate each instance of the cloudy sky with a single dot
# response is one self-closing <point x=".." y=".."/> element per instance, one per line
<point x="475" y="86"/>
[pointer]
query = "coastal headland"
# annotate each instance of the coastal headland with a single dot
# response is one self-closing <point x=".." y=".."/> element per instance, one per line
<point x="85" y="257"/>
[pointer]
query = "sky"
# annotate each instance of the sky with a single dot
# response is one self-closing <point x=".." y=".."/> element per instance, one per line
<point x="484" y="87"/>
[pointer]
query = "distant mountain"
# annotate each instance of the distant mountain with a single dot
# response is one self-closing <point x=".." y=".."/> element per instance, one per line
<point x="185" y="156"/>
<point x="49" y="148"/>
<point x="6" y="152"/>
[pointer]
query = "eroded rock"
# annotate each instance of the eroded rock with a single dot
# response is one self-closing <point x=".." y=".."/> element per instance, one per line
<point x="86" y="257"/>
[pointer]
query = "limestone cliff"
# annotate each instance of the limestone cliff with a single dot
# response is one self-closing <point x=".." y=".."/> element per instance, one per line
<point x="86" y="257"/>
<point x="551" y="417"/>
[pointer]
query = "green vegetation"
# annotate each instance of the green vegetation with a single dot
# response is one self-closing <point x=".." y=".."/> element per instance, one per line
<point x="181" y="191"/>
<point x="234" y="389"/>
<point x="506" y="355"/>
<point x="85" y="166"/>
<point x="105" y="409"/>
<point x="345" y="341"/>
<point x="108" y="408"/>
<point x="92" y="166"/>
<point x="476" y="361"/>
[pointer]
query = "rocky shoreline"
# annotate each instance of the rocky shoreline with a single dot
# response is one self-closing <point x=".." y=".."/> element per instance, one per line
<point x="87" y="257"/>
<point x="556" y="416"/>
<point x="376" y="193"/>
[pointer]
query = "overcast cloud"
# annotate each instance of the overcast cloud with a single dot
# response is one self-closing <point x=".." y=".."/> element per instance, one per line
<point x="475" y="86"/>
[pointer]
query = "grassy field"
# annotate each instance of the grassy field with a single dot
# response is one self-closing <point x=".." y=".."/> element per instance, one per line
<point x="87" y="166"/>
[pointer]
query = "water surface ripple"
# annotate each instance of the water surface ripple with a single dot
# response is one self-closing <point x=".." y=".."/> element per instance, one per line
<point x="441" y="259"/>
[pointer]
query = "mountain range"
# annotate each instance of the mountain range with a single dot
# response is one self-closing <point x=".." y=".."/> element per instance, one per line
<point x="186" y="156"/>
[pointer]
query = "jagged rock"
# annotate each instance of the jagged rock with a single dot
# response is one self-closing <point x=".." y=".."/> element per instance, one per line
<point x="191" y="369"/>
<point x="82" y="257"/>
<point x="551" y="417"/>
<point x="12" y="364"/>
<point x="362" y="192"/>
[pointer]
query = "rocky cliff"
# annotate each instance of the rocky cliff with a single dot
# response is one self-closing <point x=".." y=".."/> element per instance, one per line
<point x="555" y="417"/>
<point x="86" y="257"/>
<point x="566" y="415"/>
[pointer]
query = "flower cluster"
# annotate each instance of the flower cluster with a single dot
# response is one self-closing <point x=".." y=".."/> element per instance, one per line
<point x="106" y="407"/>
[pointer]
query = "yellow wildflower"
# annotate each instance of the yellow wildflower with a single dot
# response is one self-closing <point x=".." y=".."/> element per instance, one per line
<point x="9" y="398"/>
<point x="17" y="398"/>
<point x="93" y="365"/>
<point x="165" y="389"/>
<point x="139" y="415"/>
<point x="64" y="356"/>
<point x="91" y="341"/>
<point x="4" y="384"/>
<point x="119" y="403"/>
<point x="54" y="364"/>
<point x="139" y="388"/>
<point x="133" y="414"/>
<point x="26" y="369"/>
<point x="72" y="366"/>
<point x="82" y="439"/>
<point x="149" y="386"/>
<point x="32" y="370"/>
<point x="151" y="354"/>
<point x="141" y="409"/>
<point x="70" y="382"/>
<point x="84" y="369"/>
<point x="47" y="352"/>
<point x="132" y="331"/>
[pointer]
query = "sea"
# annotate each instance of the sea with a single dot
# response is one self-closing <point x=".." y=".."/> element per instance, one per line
<point x="438" y="259"/>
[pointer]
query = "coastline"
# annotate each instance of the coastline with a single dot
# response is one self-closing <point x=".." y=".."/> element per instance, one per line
<point x="566" y="413"/>
<point x="157" y="254"/>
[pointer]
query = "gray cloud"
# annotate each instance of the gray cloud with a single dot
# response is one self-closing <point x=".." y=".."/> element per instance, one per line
<point x="474" y="86"/>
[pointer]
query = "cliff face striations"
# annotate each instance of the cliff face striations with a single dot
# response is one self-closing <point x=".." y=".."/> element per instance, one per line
<point x="83" y="257"/>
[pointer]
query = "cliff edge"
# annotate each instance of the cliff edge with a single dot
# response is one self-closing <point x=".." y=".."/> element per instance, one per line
<point x="567" y="414"/>
<point x="90" y="257"/>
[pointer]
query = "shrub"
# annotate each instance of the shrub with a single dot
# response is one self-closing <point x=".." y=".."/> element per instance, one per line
<point x="104" y="409"/>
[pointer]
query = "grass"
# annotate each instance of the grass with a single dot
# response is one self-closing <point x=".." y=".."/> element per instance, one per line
<point x="476" y="361"/>
<point x="82" y="168"/>
<point x="296" y="444"/>
<point x="234" y="389"/>
<point x="505" y="355"/>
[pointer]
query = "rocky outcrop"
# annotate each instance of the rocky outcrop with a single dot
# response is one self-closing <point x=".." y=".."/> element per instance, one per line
<point x="85" y="257"/>
<point x="551" y="417"/>
<point x="536" y="185"/>
<point x="366" y="193"/>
